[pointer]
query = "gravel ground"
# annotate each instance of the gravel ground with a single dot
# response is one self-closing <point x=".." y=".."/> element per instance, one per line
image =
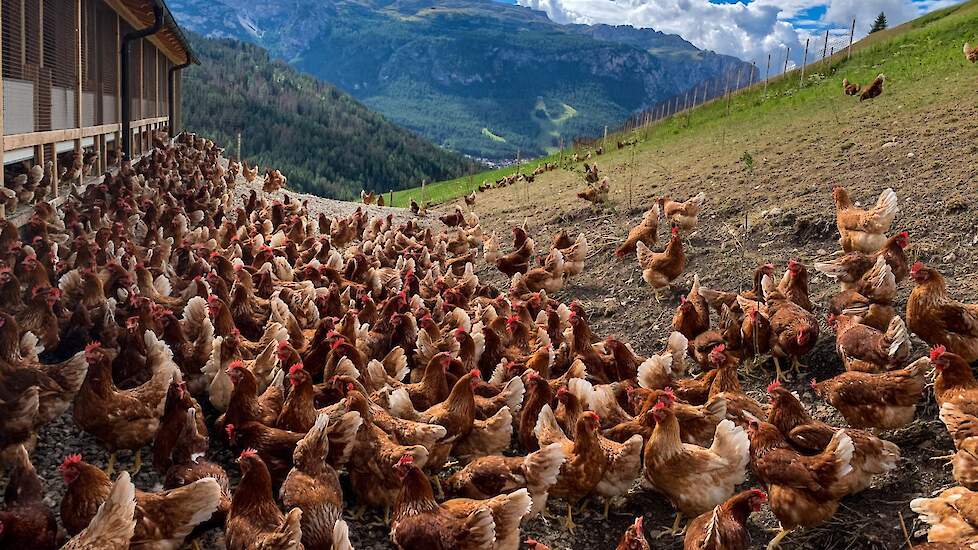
<point x="927" y="156"/>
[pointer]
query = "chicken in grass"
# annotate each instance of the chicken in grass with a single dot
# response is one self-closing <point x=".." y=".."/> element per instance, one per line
<point x="645" y="232"/>
<point x="952" y="516"/>
<point x="124" y="419"/>
<point x="314" y="487"/>
<point x="695" y="479"/>
<point x="725" y="527"/>
<point x="255" y="520"/>
<point x="586" y="460"/>
<point x="634" y="537"/>
<point x="596" y="194"/>
<point x="937" y="318"/>
<point x="871" y="455"/>
<point x="849" y="269"/>
<point x="25" y="520"/>
<point x="874" y="89"/>
<point x="865" y="349"/>
<point x="165" y="518"/>
<point x="794" y="285"/>
<point x="660" y="269"/>
<point x="970" y="53"/>
<point x="488" y="476"/>
<point x="803" y="491"/>
<point x="885" y="401"/>
<point x="113" y="525"/>
<point x="793" y="330"/>
<point x="683" y="215"/>
<point x="850" y="88"/>
<point x="864" y="230"/>
<point x="421" y="522"/>
<point x="963" y="428"/>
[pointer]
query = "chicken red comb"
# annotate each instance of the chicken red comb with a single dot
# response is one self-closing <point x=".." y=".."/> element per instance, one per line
<point x="660" y="406"/>
<point x="773" y="386"/>
<point x="722" y="348"/>
<point x="917" y="266"/>
<point x="813" y="384"/>
<point x="229" y="429"/>
<point x="69" y="461"/>
<point x="532" y="375"/>
<point x="337" y="343"/>
<point x="638" y="524"/>
<point x="350" y="387"/>
<point x="759" y="494"/>
<point x="675" y="231"/>
<point x="592" y="415"/>
<point x="562" y="391"/>
<point x="682" y="300"/>
<point x="669" y="393"/>
<point x="93" y="346"/>
<point x="236" y="364"/>
<point x="936" y="352"/>
<point x="249" y="452"/>
<point x="475" y="373"/>
<point x="460" y="330"/>
<point x="295" y="368"/>
<point x="283" y="344"/>
<point x="405" y="460"/>
<point x="212" y="299"/>
<point x="905" y="234"/>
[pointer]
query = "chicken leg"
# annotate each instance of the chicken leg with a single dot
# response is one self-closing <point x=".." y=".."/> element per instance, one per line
<point x="777" y="369"/>
<point x="138" y="463"/>
<point x="569" y="522"/>
<point x="776" y="541"/>
<point x="110" y="467"/>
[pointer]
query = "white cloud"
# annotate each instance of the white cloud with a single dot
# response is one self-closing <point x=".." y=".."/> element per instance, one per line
<point x="748" y="30"/>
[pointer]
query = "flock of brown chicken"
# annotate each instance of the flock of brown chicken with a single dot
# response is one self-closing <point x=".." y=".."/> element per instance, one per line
<point x="171" y="313"/>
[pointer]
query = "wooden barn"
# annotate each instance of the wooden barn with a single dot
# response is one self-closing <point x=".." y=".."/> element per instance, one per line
<point x="83" y="81"/>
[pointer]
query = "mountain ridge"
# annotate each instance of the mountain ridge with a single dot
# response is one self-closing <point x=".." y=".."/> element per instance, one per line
<point x="449" y="70"/>
<point x="325" y="141"/>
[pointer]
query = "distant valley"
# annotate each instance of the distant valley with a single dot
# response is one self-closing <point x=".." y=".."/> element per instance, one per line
<point x="474" y="76"/>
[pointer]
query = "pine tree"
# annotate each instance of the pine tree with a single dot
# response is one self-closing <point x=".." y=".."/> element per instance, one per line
<point x="879" y="24"/>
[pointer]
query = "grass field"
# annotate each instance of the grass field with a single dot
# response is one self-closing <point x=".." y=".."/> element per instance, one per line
<point x="909" y="55"/>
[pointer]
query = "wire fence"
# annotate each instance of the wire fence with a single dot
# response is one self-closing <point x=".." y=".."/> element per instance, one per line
<point x="777" y="65"/>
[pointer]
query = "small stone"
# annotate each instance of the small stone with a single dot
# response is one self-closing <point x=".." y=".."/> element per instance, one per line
<point x="910" y="155"/>
<point x="821" y="252"/>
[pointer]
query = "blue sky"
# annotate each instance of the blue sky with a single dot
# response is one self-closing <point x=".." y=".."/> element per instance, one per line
<point x="749" y="29"/>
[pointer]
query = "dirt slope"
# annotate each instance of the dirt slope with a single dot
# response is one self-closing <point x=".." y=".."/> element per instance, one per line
<point x="928" y="155"/>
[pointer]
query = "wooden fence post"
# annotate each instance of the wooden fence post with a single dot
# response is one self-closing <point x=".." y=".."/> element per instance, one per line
<point x="804" y="62"/>
<point x="767" y="73"/>
<point x="852" y="35"/>
<point x="787" y="56"/>
<point x="825" y="48"/>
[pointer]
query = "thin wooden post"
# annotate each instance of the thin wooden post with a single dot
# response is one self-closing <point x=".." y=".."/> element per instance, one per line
<point x="239" y="147"/>
<point x="852" y="35"/>
<point x="3" y="213"/>
<point x="423" y="196"/>
<point x="787" y="54"/>
<point x="726" y="92"/>
<point x="117" y="146"/>
<point x="78" y="93"/>
<point x="767" y="73"/>
<point x="753" y="67"/>
<point x="391" y="201"/>
<point x="804" y="62"/>
<point x="825" y="48"/>
<point x="604" y="143"/>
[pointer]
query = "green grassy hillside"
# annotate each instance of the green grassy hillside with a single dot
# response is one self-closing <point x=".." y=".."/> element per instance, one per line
<point x="911" y="56"/>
